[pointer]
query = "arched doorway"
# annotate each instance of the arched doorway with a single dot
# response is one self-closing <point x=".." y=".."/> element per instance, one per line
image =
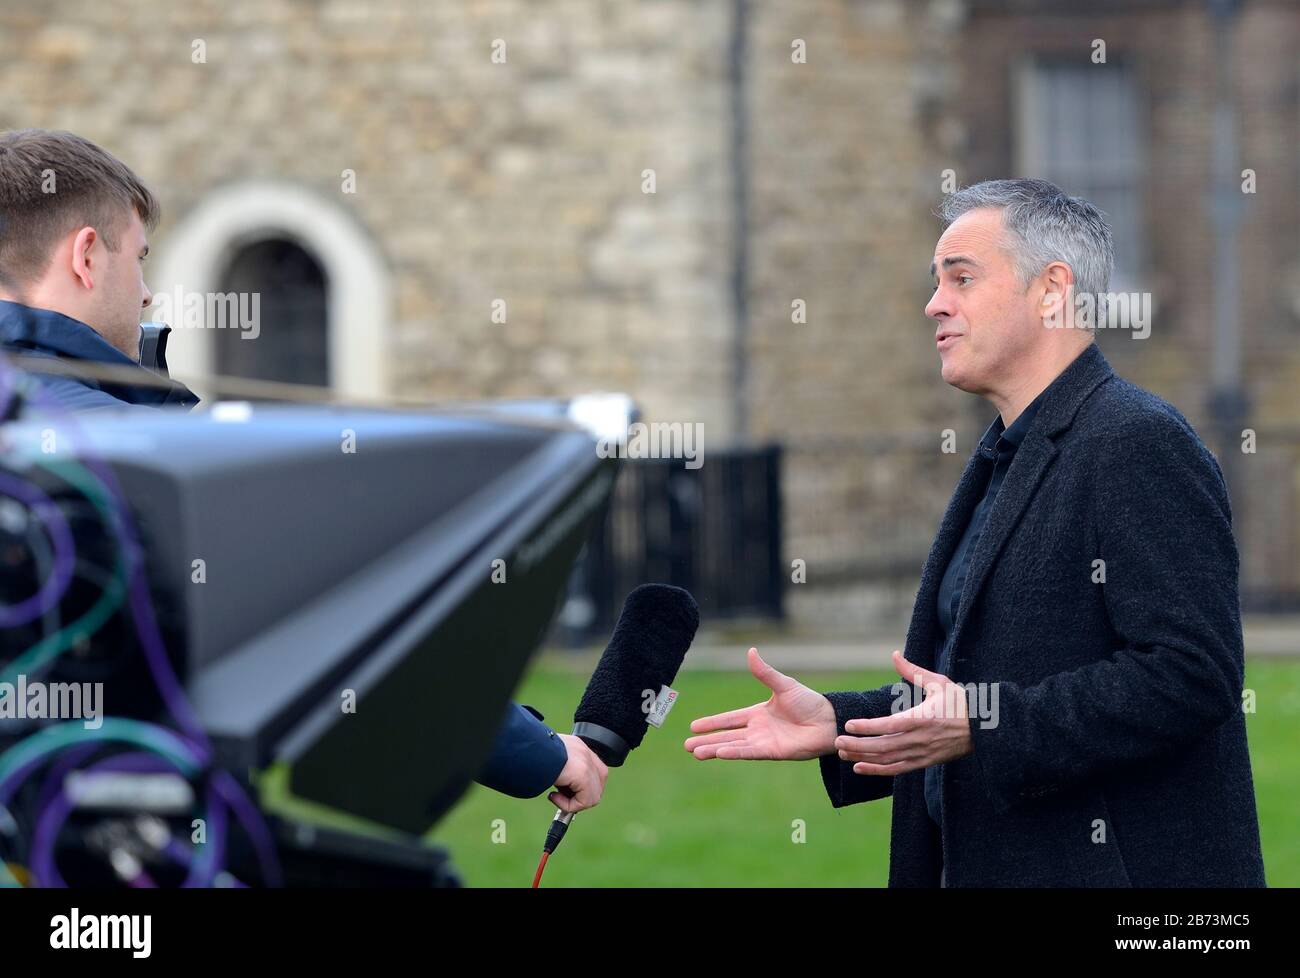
<point x="208" y="241"/>
<point x="291" y="343"/>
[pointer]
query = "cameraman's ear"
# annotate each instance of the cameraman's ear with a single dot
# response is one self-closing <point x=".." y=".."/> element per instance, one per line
<point x="83" y="243"/>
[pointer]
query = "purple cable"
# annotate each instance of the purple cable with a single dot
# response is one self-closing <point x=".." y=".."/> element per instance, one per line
<point x="141" y="607"/>
<point x="217" y="832"/>
<point x="70" y="760"/>
<point x="56" y="527"/>
<point x="159" y="665"/>
<point x="254" y="825"/>
<point x="41" y="858"/>
<point x="223" y="790"/>
<point x="176" y="852"/>
<point x="17" y="776"/>
<point x="55" y="813"/>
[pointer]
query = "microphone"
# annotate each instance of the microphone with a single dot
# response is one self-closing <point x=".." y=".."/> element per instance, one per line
<point x="630" y="687"/>
<point x="649" y="643"/>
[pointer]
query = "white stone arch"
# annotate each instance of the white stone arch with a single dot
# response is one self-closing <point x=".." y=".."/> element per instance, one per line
<point x="358" y="289"/>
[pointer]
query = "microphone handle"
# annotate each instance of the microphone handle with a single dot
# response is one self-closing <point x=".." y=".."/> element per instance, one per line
<point x="604" y="743"/>
<point x="610" y="748"/>
<point x="555" y="834"/>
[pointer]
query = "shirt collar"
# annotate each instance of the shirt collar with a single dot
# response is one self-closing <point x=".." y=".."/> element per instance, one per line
<point x="999" y="438"/>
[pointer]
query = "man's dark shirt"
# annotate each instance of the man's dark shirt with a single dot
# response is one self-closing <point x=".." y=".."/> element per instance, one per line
<point x="998" y="444"/>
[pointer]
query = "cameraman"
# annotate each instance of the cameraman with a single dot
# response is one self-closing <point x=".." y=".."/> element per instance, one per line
<point x="73" y="223"/>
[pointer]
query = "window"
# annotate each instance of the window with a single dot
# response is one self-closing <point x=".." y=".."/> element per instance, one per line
<point x="1077" y="125"/>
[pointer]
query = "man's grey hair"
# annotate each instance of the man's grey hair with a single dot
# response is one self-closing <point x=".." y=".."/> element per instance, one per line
<point x="1044" y="224"/>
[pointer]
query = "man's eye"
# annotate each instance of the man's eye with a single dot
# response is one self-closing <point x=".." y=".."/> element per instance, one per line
<point x="963" y="279"/>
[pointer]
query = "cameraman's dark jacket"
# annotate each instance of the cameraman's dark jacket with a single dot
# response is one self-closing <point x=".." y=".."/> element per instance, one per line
<point x="41" y="334"/>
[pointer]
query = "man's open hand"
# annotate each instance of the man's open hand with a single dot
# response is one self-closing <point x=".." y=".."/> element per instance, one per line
<point x="794" y="724"/>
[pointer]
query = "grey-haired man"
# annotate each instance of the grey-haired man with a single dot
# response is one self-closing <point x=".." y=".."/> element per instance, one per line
<point x="1076" y="632"/>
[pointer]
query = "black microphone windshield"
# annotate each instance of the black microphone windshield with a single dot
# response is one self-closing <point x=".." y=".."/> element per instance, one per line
<point x="649" y="643"/>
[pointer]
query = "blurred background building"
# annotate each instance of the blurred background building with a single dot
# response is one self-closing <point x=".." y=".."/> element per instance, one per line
<point x="396" y="177"/>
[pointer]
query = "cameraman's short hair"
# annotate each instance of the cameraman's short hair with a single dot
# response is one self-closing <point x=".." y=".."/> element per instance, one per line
<point x="53" y="183"/>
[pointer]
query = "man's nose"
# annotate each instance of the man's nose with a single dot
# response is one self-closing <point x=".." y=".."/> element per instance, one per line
<point x="148" y="298"/>
<point x="939" y="305"/>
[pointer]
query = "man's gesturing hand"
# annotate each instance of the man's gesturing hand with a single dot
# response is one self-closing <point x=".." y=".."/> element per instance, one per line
<point x="935" y="731"/>
<point x="794" y="724"/>
<point x="583" y="777"/>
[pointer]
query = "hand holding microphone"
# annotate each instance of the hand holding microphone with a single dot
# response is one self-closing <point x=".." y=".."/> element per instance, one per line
<point x="582" y="781"/>
<point x="628" y="691"/>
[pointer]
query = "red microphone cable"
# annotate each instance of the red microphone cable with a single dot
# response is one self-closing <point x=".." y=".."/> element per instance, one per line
<point x="540" y="866"/>
<point x="559" y="825"/>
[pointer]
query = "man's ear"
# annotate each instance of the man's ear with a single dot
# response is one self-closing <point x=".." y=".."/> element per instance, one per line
<point x="1057" y="283"/>
<point x="82" y="245"/>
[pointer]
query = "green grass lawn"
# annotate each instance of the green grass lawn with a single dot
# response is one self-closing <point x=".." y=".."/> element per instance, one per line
<point x="670" y="820"/>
